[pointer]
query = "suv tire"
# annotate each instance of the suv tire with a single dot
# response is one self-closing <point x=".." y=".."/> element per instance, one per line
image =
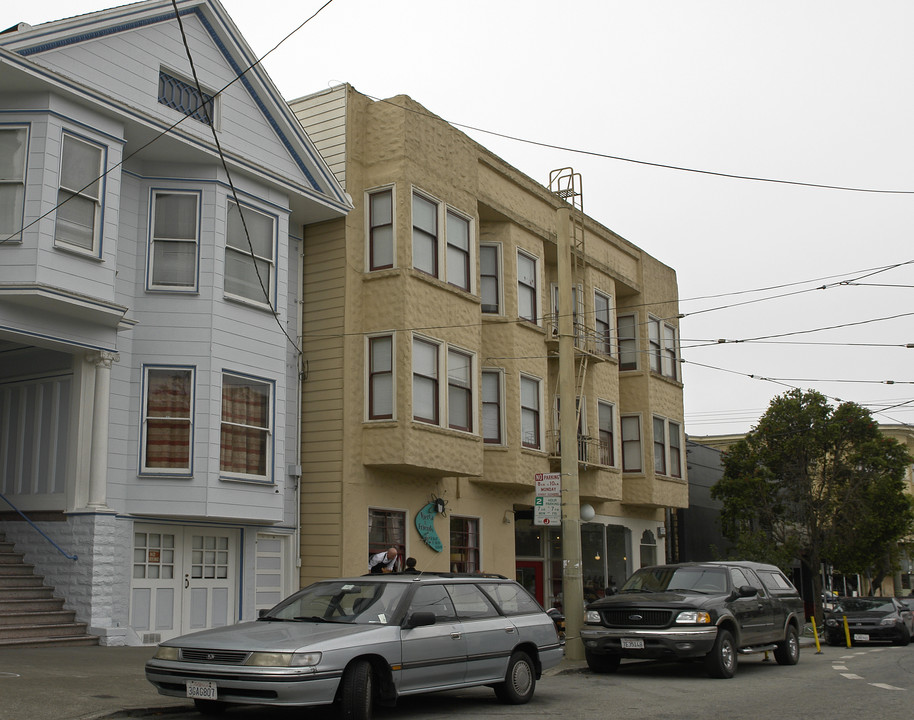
<point x="721" y="661"/>
<point x="788" y="651"/>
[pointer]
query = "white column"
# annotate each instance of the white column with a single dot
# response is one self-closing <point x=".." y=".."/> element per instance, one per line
<point x="98" y="460"/>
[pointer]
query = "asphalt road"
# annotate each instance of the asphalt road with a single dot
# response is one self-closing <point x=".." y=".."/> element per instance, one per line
<point x="863" y="682"/>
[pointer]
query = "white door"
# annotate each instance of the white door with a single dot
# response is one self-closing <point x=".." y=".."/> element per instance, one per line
<point x="184" y="579"/>
<point x="271" y="569"/>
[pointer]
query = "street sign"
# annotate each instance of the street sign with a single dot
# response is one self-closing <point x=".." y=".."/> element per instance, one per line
<point x="548" y="484"/>
<point x="547" y="511"/>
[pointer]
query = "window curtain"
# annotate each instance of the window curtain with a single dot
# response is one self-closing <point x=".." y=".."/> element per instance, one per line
<point x="168" y="425"/>
<point x="245" y="426"/>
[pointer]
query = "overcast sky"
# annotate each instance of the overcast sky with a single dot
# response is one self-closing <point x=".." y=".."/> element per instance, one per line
<point x="815" y="92"/>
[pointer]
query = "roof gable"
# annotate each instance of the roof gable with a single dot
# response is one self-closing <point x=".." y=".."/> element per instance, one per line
<point x="119" y="54"/>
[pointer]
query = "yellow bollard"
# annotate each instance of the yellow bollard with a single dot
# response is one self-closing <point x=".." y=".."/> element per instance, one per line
<point x="847" y="631"/>
<point x="815" y="634"/>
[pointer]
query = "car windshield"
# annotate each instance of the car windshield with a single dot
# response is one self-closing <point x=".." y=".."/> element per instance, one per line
<point x="336" y="601"/>
<point x="668" y="579"/>
<point x="862" y="604"/>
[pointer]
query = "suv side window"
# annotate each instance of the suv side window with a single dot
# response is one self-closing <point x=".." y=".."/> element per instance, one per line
<point x="738" y="578"/>
<point x="511" y="598"/>
<point x="470" y="602"/>
<point x="433" y="598"/>
<point x="755" y="582"/>
<point x="776" y="582"/>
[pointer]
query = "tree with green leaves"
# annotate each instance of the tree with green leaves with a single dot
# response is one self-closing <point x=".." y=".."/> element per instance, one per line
<point x="817" y="483"/>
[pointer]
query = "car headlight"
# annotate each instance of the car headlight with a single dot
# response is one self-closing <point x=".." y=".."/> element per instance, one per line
<point x="166" y="653"/>
<point x="273" y="659"/>
<point x="592" y="617"/>
<point x="693" y="617"/>
<point x="889" y="621"/>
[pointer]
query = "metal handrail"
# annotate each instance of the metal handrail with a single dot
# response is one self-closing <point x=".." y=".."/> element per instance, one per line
<point x="40" y="531"/>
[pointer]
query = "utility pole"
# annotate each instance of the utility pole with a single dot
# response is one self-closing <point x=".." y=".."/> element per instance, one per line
<point x="572" y="575"/>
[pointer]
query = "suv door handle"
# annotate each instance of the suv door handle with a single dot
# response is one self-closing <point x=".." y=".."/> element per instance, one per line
<point x="455" y="635"/>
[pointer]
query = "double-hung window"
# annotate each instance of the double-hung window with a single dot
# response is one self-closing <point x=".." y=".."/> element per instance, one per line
<point x="628" y="342"/>
<point x="425" y="381"/>
<point x="602" y="314"/>
<point x="491" y="406"/>
<point x="527" y="287"/>
<point x="380" y="230"/>
<point x="631" y="443"/>
<point x="530" y="412"/>
<point x="675" y="449"/>
<point x="667" y="447"/>
<point x="458" y="250"/>
<point x="380" y="377"/>
<point x="247" y="426"/>
<point x="175" y="240"/>
<point x="168" y="407"/>
<point x="659" y="446"/>
<point x="79" y="197"/>
<point x="13" y="153"/>
<point x="607" y="433"/>
<point x="425" y="235"/>
<point x="459" y="390"/>
<point x="663" y="348"/>
<point x="490" y="278"/>
<point x="250" y="246"/>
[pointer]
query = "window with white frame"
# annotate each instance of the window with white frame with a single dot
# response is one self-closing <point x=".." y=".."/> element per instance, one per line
<point x="250" y="244"/>
<point x="628" y="342"/>
<point x="607" y="434"/>
<point x="425" y="381"/>
<point x="527" y="286"/>
<point x="492" y="419"/>
<point x="425" y="235"/>
<point x="631" y="443"/>
<point x="380" y="377"/>
<point x="79" y="197"/>
<point x="380" y="229"/>
<point x="490" y="278"/>
<point x="13" y="153"/>
<point x="465" y="545"/>
<point x="247" y="427"/>
<point x="459" y="390"/>
<point x="168" y="426"/>
<point x="662" y="348"/>
<point x="667" y="447"/>
<point x="602" y="322"/>
<point x="530" y="414"/>
<point x="659" y="446"/>
<point x="174" y="240"/>
<point x="457" y="236"/>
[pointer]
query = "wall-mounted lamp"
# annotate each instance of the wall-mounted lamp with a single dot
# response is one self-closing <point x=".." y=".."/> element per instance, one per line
<point x="439" y="505"/>
<point x="587" y="512"/>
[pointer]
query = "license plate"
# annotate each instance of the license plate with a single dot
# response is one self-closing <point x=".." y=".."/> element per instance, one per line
<point x="202" y="689"/>
<point x="632" y="644"/>
<point x="859" y="637"/>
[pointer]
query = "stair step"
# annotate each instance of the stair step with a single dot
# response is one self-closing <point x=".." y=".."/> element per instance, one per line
<point x="10" y="558"/>
<point x="16" y="569"/>
<point x="36" y="617"/>
<point x="6" y="547"/>
<point x="21" y="580"/>
<point x="10" y="632"/>
<point x="26" y="593"/>
<point x="50" y="641"/>
<point x="30" y="604"/>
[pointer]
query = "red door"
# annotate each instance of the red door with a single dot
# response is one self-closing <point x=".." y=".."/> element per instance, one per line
<point x="530" y="575"/>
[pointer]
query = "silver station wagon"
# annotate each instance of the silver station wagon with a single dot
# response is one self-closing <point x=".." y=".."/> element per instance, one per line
<point x="366" y="640"/>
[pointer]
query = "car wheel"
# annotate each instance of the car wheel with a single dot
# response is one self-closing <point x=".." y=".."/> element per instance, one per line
<point x="904" y="637"/>
<point x="721" y="661"/>
<point x="357" y="691"/>
<point x="209" y="707"/>
<point x="520" y="680"/>
<point x="788" y="652"/>
<point x="602" y="663"/>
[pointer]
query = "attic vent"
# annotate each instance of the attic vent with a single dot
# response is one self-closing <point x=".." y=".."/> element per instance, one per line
<point x="152" y="638"/>
<point x="185" y="98"/>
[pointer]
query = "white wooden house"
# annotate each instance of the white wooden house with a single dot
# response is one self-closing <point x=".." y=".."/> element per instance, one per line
<point x="149" y="325"/>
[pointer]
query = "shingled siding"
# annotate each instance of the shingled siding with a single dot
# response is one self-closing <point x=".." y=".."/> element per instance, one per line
<point x="322" y="402"/>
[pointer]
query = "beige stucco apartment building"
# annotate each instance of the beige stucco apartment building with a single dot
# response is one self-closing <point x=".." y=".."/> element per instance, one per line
<point x="431" y="362"/>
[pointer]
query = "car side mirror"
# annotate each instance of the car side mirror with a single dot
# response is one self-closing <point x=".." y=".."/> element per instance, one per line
<point x="262" y="612"/>
<point x="420" y="619"/>
<point x="747" y="591"/>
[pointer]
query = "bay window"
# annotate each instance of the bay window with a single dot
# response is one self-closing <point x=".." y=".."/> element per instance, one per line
<point x="249" y="254"/>
<point x="167" y="431"/>
<point x="79" y="195"/>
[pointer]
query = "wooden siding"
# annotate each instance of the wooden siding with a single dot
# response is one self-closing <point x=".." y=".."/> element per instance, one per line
<point x="324" y="118"/>
<point x="323" y="393"/>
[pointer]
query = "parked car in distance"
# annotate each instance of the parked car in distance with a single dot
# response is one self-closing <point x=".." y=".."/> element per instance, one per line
<point x="365" y="640"/>
<point x="711" y="611"/>
<point x="869" y="619"/>
<point x="908" y="603"/>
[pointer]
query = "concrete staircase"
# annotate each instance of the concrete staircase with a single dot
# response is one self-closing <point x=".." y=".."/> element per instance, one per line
<point x="30" y="615"/>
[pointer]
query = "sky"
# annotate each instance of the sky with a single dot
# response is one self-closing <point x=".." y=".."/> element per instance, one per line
<point x="811" y="287"/>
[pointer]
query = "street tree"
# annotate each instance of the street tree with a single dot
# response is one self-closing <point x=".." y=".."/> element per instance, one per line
<point x="816" y="483"/>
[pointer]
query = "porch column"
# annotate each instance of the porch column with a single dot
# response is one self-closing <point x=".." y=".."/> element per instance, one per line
<point x="98" y="459"/>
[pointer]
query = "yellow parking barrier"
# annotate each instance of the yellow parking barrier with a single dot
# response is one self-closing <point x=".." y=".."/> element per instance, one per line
<point x="847" y="631"/>
<point x="815" y="634"/>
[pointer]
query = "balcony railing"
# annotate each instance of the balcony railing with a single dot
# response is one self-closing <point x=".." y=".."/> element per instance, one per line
<point x="591" y="450"/>
<point x="586" y="339"/>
